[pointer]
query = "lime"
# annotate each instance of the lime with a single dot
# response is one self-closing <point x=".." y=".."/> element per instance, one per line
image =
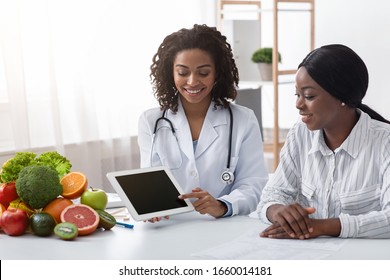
<point x="107" y="221"/>
<point x="66" y="231"/>
<point x="42" y="224"/>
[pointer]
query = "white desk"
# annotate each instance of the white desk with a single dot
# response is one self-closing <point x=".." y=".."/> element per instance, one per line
<point x="172" y="239"/>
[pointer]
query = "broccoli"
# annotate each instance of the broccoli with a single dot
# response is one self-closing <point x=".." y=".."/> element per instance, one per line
<point x="61" y="164"/>
<point x="38" y="185"/>
<point x="12" y="167"/>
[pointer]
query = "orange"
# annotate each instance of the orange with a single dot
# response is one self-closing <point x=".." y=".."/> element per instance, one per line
<point x="83" y="216"/>
<point x="73" y="185"/>
<point x="55" y="207"/>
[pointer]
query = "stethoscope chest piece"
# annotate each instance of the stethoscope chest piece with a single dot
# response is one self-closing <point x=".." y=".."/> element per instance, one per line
<point x="227" y="177"/>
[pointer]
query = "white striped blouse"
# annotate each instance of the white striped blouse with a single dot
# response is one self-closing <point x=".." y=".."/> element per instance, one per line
<point x="351" y="183"/>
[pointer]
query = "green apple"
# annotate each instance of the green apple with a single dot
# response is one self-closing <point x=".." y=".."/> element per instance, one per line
<point x="95" y="198"/>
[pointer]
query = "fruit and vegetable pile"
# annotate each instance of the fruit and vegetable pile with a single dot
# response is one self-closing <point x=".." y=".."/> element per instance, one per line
<point x="37" y="194"/>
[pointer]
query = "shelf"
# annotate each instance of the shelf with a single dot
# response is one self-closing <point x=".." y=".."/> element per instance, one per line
<point x="256" y="8"/>
<point x="262" y="11"/>
<point x="269" y="147"/>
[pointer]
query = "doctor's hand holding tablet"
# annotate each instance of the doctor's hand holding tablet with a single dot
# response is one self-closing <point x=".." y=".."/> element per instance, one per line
<point x="212" y="147"/>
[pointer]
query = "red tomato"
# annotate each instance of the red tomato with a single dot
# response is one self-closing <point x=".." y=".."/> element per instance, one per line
<point x="14" y="221"/>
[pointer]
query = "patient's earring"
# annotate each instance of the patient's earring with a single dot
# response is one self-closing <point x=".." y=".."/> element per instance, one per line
<point x="342" y="104"/>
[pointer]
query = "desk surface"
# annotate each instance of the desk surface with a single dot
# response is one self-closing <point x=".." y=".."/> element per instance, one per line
<point x="177" y="238"/>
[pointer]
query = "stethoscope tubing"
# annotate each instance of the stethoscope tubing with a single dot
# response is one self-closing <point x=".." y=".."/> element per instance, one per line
<point x="231" y="176"/>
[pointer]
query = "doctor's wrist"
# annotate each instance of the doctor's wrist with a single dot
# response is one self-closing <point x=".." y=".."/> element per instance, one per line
<point x="224" y="208"/>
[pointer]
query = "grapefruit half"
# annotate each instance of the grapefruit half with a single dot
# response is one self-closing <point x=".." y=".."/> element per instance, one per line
<point x="84" y="217"/>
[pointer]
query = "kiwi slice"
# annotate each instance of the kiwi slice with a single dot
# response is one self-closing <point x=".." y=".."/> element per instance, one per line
<point x="107" y="221"/>
<point x="66" y="231"/>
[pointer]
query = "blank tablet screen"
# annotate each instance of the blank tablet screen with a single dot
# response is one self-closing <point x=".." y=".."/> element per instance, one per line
<point x="151" y="191"/>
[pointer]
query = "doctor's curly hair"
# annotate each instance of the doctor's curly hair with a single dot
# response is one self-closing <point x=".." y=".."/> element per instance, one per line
<point x="202" y="37"/>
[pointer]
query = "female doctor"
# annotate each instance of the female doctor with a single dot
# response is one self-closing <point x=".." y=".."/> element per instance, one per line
<point x="213" y="147"/>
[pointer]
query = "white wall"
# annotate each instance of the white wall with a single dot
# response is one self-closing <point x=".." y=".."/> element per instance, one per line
<point x="365" y="27"/>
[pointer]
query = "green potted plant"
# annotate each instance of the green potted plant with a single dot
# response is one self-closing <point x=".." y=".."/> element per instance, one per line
<point x="263" y="57"/>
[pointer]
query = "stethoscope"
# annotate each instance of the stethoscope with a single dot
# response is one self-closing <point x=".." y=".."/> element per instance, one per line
<point x="227" y="176"/>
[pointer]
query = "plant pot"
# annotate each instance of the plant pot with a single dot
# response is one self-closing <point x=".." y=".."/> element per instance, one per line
<point x="265" y="71"/>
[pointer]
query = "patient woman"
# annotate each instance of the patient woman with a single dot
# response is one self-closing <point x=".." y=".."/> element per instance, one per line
<point x="334" y="173"/>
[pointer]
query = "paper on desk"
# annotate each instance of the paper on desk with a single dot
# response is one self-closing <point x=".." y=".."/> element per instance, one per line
<point x="120" y="214"/>
<point x="251" y="246"/>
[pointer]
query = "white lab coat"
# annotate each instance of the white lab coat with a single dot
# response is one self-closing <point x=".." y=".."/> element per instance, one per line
<point x="204" y="167"/>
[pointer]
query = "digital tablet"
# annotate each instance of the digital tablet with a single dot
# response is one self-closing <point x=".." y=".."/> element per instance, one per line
<point x="149" y="192"/>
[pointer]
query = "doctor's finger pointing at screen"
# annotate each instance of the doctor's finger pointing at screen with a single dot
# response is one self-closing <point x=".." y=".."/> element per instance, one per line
<point x="205" y="203"/>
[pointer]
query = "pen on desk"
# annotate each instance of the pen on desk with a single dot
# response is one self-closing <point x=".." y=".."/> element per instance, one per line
<point x="124" y="225"/>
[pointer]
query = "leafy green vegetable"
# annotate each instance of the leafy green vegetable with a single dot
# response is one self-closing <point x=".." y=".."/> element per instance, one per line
<point x="38" y="185"/>
<point x="12" y="167"/>
<point x="61" y="164"/>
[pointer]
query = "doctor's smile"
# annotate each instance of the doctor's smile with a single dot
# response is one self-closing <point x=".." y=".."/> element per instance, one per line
<point x="194" y="92"/>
